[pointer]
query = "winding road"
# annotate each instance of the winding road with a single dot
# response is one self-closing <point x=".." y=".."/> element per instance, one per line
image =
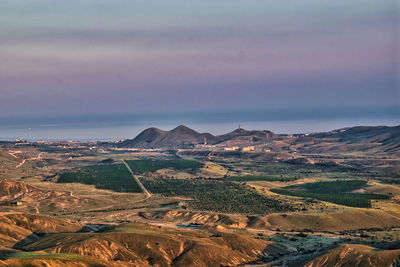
<point x="148" y="194"/>
<point x="24" y="160"/>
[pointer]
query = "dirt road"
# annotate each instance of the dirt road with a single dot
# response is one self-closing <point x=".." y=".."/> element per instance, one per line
<point x="24" y="160"/>
<point x="148" y="194"/>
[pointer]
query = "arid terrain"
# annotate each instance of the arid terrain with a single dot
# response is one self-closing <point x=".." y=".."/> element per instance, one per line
<point x="183" y="198"/>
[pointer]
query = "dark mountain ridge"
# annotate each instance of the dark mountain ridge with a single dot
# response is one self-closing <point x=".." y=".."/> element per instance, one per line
<point x="360" y="138"/>
<point x="373" y="139"/>
<point x="255" y="135"/>
<point x="180" y="136"/>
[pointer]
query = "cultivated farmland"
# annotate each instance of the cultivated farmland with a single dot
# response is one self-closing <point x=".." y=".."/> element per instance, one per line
<point x="107" y="176"/>
<point x="217" y="196"/>
<point x="338" y="192"/>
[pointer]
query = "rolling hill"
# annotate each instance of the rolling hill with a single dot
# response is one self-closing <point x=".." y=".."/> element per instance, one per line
<point x="357" y="255"/>
<point x="15" y="227"/>
<point x="33" y="199"/>
<point x="183" y="136"/>
<point x="180" y="136"/>
<point x="366" y="139"/>
<point x="142" y="245"/>
<point x="256" y="135"/>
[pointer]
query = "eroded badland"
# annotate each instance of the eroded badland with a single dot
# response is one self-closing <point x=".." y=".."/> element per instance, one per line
<point x="251" y="198"/>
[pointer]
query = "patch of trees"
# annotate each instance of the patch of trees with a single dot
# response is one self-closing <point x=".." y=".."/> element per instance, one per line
<point x="216" y="196"/>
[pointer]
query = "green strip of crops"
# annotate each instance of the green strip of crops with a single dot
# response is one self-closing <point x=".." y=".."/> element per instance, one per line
<point x="115" y="177"/>
<point x="337" y="192"/>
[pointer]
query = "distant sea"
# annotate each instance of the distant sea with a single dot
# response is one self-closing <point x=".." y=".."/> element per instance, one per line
<point x="108" y="127"/>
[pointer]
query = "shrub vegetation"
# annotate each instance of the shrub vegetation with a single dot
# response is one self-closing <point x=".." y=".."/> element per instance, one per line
<point x="217" y="196"/>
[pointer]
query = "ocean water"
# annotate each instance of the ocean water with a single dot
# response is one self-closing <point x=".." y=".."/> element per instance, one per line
<point x="108" y="127"/>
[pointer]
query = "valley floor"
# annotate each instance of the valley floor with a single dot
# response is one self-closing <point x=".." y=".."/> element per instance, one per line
<point x="189" y="208"/>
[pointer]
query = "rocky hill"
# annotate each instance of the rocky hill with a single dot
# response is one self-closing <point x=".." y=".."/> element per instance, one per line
<point x="181" y="136"/>
<point x="379" y="139"/>
<point x="15" y="227"/>
<point x="33" y="199"/>
<point x="256" y="135"/>
<point x="372" y="140"/>
<point x="242" y="137"/>
<point x="184" y="137"/>
<point x="126" y="245"/>
<point x="357" y="255"/>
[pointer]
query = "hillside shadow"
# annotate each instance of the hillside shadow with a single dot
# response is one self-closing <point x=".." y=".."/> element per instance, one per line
<point x="5" y="252"/>
<point x="296" y="249"/>
<point x="96" y="228"/>
<point x="28" y="240"/>
<point x="88" y="228"/>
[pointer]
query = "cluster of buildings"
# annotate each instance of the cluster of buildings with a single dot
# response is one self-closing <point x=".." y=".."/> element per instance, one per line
<point x="237" y="148"/>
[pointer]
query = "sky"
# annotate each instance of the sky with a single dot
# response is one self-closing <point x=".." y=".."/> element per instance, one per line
<point x="93" y="57"/>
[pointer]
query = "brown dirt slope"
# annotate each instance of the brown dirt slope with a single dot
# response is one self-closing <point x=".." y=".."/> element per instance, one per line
<point x="181" y="216"/>
<point x="148" y="245"/>
<point x="34" y="198"/>
<point x="17" y="226"/>
<point x="350" y="219"/>
<point x="357" y="255"/>
<point x="360" y="138"/>
<point x="40" y="261"/>
<point x="8" y="163"/>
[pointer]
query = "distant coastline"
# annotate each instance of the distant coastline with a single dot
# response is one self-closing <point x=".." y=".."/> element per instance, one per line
<point x="114" y="132"/>
<point x="107" y="127"/>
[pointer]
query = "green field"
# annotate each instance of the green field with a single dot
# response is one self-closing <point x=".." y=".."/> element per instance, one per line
<point x="35" y="255"/>
<point x="337" y="192"/>
<point x="217" y="196"/>
<point x="107" y="176"/>
<point x="331" y="187"/>
<point x="141" y="166"/>
<point x="248" y="178"/>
